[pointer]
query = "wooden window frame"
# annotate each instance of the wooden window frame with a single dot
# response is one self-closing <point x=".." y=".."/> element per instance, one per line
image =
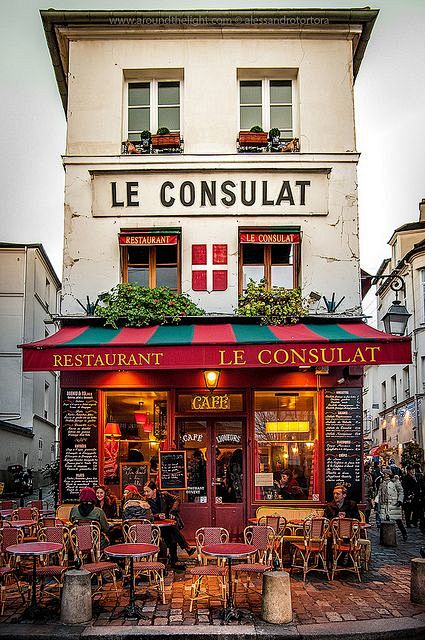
<point x="153" y="102"/>
<point x="296" y="248"/>
<point x="266" y="104"/>
<point x="151" y="265"/>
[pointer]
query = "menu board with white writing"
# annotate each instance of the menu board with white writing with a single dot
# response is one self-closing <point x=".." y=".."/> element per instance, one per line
<point x="172" y="470"/>
<point x="343" y="441"/>
<point x="79" y="459"/>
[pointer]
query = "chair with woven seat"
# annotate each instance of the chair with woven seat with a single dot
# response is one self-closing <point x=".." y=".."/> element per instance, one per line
<point x="278" y="524"/>
<point x="345" y="543"/>
<point x="365" y="544"/>
<point x="8" y="536"/>
<point x="263" y="539"/>
<point x="205" y="569"/>
<point x="28" y="513"/>
<point x="85" y="542"/>
<point x="146" y="533"/>
<point x="311" y="551"/>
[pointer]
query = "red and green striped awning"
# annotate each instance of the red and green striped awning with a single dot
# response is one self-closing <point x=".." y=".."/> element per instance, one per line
<point x="193" y="346"/>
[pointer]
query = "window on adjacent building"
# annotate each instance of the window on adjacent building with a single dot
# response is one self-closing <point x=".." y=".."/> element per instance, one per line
<point x="270" y="255"/>
<point x="152" y="264"/>
<point x="394" y="389"/>
<point x="46" y="400"/>
<point x="267" y="103"/>
<point x="151" y="105"/>
<point x="406" y="382"/>
<point x="423" y="372"/>
<point x="384" y="395"/>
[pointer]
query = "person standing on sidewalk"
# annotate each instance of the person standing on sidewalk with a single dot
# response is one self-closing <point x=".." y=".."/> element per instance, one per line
<point x="369" y="493"/>
<point x="411" y="497"/>
<point x="390" y="499"/>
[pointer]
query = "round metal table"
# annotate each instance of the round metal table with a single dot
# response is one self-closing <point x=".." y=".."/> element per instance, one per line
<point x="132" y="550"/>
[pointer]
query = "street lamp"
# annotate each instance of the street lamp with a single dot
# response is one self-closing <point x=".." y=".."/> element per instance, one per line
<point x="211" y="378"/>
<point x="396" y="318"/>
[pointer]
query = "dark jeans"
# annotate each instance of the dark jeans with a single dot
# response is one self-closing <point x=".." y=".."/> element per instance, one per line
<point x="401" y="527"/>
<point x="172" y="537"/>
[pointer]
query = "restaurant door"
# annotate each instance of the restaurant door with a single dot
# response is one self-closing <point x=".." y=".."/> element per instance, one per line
<point x="216" y="474"/>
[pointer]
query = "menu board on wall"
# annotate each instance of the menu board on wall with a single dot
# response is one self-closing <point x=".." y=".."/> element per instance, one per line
<point x="136" y="473"/>
<point x="172" y="470"/>
<point x="79" y="459"/>
<point x="343" y="441"/>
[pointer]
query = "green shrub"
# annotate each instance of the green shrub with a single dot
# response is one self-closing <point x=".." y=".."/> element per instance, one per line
<point x="145" y="134"/>
<point x="412" y="453"/>
<point x="274" y="133"/>
<point x="138" y="306"/>
<point x="274" y="306"/>
<point x="163" y="131"/>
<point x="256" y="129"/>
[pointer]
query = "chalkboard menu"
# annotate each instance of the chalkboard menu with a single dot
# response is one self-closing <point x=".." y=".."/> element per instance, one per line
<point x="136" y="473"/>
<point x="79" y="459"/>
<point x="343" y="441"/>
<point x="172" y="470"/>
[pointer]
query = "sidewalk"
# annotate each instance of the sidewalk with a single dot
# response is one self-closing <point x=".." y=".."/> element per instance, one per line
<point x="377" y="607"/>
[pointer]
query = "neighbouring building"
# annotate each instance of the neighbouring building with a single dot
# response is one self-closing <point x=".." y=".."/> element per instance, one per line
<point x="201" y="209"/>
<point x="395" y="394"/>
<point x="29" y="293"/>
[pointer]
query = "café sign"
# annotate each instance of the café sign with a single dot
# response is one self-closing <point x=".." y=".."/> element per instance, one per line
<point x="210" y="402"/>
<point x="154" y="193"/>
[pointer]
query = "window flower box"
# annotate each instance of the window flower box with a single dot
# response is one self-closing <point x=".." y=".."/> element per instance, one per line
<point x="253" y="139"/>
<point x="167" y="140"/>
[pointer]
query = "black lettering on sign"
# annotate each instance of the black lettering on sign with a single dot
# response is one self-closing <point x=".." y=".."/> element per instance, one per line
<point x="172" y="470"/>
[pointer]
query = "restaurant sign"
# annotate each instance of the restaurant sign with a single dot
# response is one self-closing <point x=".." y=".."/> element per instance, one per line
<point x="210" y="402"/>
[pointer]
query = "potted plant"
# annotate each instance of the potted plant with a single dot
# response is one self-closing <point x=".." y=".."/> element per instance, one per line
<point x="255" y="137"/>
<point x="273" y="306"/>
<point x="274" y="138"/>
<point x="145" y="138"/>
<point x="163" y="138"/>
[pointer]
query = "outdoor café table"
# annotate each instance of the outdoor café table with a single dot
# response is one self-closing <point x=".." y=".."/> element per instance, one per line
<point x="127" y="550"/>
<point x="5" y="513"/>
<point x="230" y="551"/>
<point x="34" y="549"/>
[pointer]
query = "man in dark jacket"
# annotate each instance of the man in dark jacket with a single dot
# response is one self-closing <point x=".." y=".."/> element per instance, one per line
<point x="163" y="506"/>
<point x="411" y="497"/>
<point x="341" y="505"/>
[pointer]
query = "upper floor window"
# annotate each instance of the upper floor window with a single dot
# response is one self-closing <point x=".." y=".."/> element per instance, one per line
<point x="151" y="259"/>
<point x="406" y="382"/>
<point x="268" y="104"/>
<point x="151" y="105"/>
<point x="384" y="395"/>
<point x="270" y="255"/>
<point x="394" y="389"/>
<point x="422" y="292"/>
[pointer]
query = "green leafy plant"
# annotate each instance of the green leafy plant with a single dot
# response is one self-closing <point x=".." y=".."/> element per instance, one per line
<point x="145" y="135"/>
<point x="256" y="129"/>
<point x="412" y="454"/>
<point x="274" y="133"/>
<point x="274" y="306"/>
<point x="138" y="306"/>
<point x="163" y="131"/>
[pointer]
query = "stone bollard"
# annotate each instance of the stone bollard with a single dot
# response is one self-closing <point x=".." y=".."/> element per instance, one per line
<point x="76" y="604"/>
<point x="417" y="580"/>
<point x="276" y="606"/>
<point x="387" y="535"/>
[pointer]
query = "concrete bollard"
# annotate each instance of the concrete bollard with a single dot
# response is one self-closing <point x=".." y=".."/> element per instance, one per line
<point x="276" y="606"/>
<point x="417" y="580"/>
<point x="387" y="536"/>
<point x="76" y="604"/>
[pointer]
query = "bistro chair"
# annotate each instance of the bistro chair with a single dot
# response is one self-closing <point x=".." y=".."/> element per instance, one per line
<point x="345" y="540"/>
<point x="278" y="524"/>
<point x="47" y="569"/>
<point x="7" y="504"/>
<point x="8" y="537"/>
<point x="63" y="512"/>
<point x="312" y="550"/>
<point x="206" y="568"/>
<point x="365" y="545"/>
<point x="146" y="533"/>
<point x="85" y="542"/>
<point x="37" y="504"/>
<point x="263" y="539"/>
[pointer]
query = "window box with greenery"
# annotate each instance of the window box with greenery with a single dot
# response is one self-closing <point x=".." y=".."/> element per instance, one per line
<point x="133" y="306"/>
<point x="256" y="138"/>
<point x="164" y="139"/>
<point x="273" y="306"/>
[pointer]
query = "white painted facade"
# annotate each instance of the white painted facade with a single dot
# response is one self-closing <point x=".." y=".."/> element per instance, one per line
<point x="395" y="394"/>
<point x="29" y="291"/>
<point x="209" y="63"/>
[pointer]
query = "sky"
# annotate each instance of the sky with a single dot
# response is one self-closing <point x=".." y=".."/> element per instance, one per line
<point x="389" y="105"/>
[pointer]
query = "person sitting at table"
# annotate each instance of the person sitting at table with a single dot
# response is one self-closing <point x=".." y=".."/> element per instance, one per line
<point x="87" y="510"/>
<point x="134" y="505"/>
<point x="287" y="486"/>
<point x="106" y="501"/>
<point x="341" y="505"/>
<point x="165" y="505"/>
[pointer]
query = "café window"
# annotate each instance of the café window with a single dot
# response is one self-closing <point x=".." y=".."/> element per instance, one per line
<point x="151" y="259"/>
<point x="151" y="105"/>
<point x="286" y="446"/>
<point x="267" y="103"/>
<point x="135" y="425"/>
<point x="269" y="255"/>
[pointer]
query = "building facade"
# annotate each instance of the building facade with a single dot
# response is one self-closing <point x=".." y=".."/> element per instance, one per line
<point x="202" y="210"/>
<point x="29" y="291"/>
<point x="394" y="399"/>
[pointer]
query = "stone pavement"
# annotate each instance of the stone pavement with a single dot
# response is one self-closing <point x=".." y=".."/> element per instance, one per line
<point x="379" y="606"/>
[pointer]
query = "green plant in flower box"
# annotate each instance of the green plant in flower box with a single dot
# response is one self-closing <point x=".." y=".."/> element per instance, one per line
<point x="274" y="306"/>
<point x="136" y="306"/>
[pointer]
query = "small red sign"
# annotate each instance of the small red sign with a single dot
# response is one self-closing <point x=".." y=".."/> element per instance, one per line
<point x="219" y="280"/>
<point x="219" y="253"/>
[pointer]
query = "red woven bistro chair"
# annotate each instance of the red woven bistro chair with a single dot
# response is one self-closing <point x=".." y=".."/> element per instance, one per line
<point x="8" y="536"/>
<point x="37" y="504"/>
<point x="345" y="542"/>
<point x="310" y="554"/>
<point x="263" y="539"/>
<point x="85" y="542"/>
<point x="147" y="533"/>
<point x="50" y="569"/>
<point x="7" y="504"/>
<point x="208" y="567"/>
<point x="278" y="524"/>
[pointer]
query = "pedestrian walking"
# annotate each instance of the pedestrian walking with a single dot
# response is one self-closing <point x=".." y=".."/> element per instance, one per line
<point x="411" y="497"/>
<point x="390" y="498"/>
<point x="369" y="493"/>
